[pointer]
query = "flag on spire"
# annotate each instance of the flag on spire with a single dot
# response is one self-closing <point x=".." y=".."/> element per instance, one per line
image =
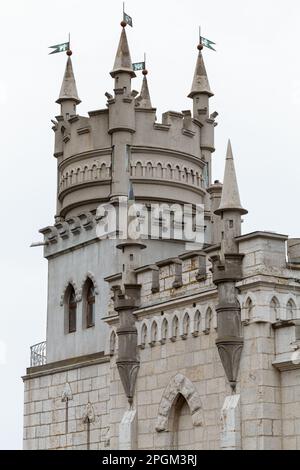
<point x="65" y="46"/>
<point x="207" y="43"/>
<point x="126" y="18"/>
<point x="138" y="66"/>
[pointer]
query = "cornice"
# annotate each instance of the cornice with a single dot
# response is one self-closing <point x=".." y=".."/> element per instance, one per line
<point x="176" y="302"/>
<point x="85" y="184"/>
<point x="84" y="202"/>
<point x="174" y="183"/>
<point x="65" y="365"/>
<point x="168" y="152"/>
<point x="84" y="156"/>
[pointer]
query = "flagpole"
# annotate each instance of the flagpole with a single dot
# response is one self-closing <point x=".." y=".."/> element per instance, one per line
<point x="200" y="45"/>
<point x="69" y="52"/>
<point x="145" y="61"/>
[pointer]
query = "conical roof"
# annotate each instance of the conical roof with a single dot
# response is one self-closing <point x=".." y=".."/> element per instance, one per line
<point x="200" y="82"/>
<point x="123" y="59"/>
<point x="230" y="199"/>
<point x="144" y="100"/>
<point x="68" y="89"/>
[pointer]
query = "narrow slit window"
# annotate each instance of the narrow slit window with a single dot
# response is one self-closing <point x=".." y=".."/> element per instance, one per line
<point x="72" y="307"/>
<point x="90" y="305"/>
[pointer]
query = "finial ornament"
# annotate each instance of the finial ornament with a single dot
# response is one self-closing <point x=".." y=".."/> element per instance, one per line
<point x="123" y="24"/>
<point x="69" y="53"/>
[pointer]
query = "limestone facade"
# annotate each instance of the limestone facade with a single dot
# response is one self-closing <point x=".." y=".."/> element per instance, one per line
<point x="186" y="349"/>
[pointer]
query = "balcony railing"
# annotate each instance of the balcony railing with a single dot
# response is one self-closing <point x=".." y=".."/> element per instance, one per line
<point x="38" y="354"/>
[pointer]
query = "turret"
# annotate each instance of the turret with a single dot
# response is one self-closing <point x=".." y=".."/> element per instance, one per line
<point x="126" y="300"/>
<point x="230" y="208"/>
<point x="68" y="97"/>
<point x="215" y="192"/>
<point x="122" y="117"/>
<point x="122" y="71"/>
<point x="227" y="271"/>
<point x="144" y="100"/>
<point x="200" y="92"/>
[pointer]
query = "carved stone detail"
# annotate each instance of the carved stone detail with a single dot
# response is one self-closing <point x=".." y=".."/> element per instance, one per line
<point x="230" y="351"/>
<point x="127" y="361"/>
<point x="89" y="414"/>
<point x="67" y="394"/>
<point x="77" y="292"/>
<point x="179" y="385"/>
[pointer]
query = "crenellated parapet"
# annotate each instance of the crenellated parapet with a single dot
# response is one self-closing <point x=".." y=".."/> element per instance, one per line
<point x="69" y="233"/>
<point x="98" y="154"/>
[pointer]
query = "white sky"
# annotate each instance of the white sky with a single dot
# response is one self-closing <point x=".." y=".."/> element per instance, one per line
<point x="255" y="75"/>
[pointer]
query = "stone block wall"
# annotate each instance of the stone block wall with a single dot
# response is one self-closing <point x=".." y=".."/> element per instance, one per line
<point x="45" y="411"/>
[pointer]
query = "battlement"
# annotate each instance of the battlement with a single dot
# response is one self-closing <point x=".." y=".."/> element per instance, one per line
<point x="164" y="156"/>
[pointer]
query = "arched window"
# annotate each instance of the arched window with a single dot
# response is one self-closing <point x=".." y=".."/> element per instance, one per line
<point x="169" y="172"/>
<point x="153" y="334"/>
<point x="71" y="306"/>
<point x="197" y="320"/>
<point x="174" y="328"/>
<point x="186" y="326"/>
<point x="89" y="307"/>
<point x="208" y="320"/>
<point x="290" y="310"/>
<point x="164" y="331"/>
<point x="112" y="343"/>
<point x="248" y="310"/>
<point x="143" y="336"/>
<point x="275" y="308"/>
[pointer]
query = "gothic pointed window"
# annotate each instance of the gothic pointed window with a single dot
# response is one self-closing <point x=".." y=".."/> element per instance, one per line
<point x="89" y="293"/>
<point x="72" y="310"/>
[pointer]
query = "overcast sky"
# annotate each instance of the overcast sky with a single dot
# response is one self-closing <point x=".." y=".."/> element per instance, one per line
<point x="255" y="75"/>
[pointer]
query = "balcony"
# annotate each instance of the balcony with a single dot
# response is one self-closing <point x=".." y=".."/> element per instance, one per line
<point x="38" y="354"/>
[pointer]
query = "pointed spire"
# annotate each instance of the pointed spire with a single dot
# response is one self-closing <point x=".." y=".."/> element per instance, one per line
<point x="200" y="81"/>
<point x="123" y="59"/>
<point x="68" y="89"/>
<point x="144" y="100"/>
<point x="230" y="194"/>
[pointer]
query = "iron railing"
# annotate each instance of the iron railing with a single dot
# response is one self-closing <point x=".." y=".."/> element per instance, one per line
<point x="38" y="354"/>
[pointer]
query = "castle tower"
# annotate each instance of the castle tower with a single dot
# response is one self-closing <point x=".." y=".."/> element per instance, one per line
<point x="227" y="271"/>
<point x="151" y="345"/>
<point x="121" y="118"/>
<point x="200" y="94"/>
<point x="68" y="97"/>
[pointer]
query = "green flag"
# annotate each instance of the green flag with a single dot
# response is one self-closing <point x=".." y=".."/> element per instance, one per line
<point x="127" y="19"/>
<point x="138" y="66"/>
<point x="65" y="46"/>
<point x="207" y="43"/>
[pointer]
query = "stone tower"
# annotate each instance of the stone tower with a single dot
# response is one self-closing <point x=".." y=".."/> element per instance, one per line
<point x="150" y="345"/>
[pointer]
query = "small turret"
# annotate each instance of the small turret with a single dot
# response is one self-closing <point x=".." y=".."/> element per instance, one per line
<point x="227" y="271"/>
<point x="127" y="299"/>
<point x="122" y="71"/>
<point x="215" y="192"/>
<point x="122" y="117"/>
<point x="200" y="92"/>
<point x="68" y="97"/>
<point x="230" y="208"/>
<point x="144" y="100"/>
